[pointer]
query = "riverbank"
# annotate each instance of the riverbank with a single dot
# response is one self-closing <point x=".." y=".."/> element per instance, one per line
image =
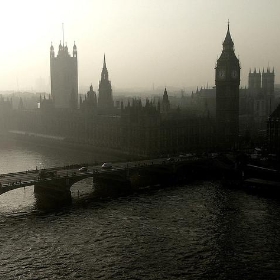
<point x="60" y="143"/>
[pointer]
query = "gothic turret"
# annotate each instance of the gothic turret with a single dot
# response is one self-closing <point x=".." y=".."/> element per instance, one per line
<point x="51" y="51"/>
<point x="268" y="81"/>
<point x="74" y="50"/>
<point x="90" y="102"/>
<point x="104" y="74"/>
<point x="165" y="102"/>
<point x="254" y="81"/>
<point x="105" y="99"/>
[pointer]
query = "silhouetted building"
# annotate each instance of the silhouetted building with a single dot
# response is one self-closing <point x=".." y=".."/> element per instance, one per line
<point x="261" y="89"/>
<point x="165" y="105"/>
<point x="256" y="104"/>
<point x="148" y="131"/>
<point x="6" y="114"/>
<point x="255" y="81"/>
<point x="153" y="129"/>
<point x="105" y="98"/>
<point x="64" y="77"/>
<point x="5" y="105"/>
<point x="268" y="82"/>
<point x="46" y="105"/>
<point x="268" y="79"/>
<point x="90" y="102"/>
<point x="205" y="102"/>
<point x="273" y="131"/>
<point x="227" y="95"/>
<point x="138" y="130"/>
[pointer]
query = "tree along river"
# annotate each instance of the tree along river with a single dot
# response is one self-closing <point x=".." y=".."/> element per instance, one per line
<point x="200" y="230"/>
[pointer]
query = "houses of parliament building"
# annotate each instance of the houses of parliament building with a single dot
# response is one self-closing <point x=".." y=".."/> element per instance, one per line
<point x="137" y="127"/>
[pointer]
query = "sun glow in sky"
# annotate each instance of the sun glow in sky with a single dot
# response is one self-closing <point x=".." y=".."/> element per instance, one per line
<point x="147" y="42"/>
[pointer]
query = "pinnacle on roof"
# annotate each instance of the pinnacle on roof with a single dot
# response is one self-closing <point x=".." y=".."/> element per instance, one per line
<point x="228" y="40"/>
<point x="104" y="62"/>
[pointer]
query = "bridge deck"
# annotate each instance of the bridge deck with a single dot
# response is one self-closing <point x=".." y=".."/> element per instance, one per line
<point x="22" y="179"/>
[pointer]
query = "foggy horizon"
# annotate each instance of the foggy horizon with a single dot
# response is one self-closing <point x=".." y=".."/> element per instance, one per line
<point x="147" y="45"/>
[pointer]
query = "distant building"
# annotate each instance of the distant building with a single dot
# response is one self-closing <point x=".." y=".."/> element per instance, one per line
<point x="257" y="102"/>
<point x="227" y="95"/>
<point x="105" y="98"/>
<point x="6" y="114"/>
<point x="261" y="89"/>
<point x="138" y="130"/>
<point x="273" y="131"/>
<point x="149" y="130"/>
<point x="46" y="105"/>
<point x="90" y="102"/>
<point x="208" y="119"/>
<point x="205" y="101"/>
<point x="165" y="105"/>
<point x="64" y="77"/>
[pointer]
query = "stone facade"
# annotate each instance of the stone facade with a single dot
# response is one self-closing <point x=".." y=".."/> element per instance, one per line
<point x="136" y="130"/>
<point x="64" y="78"/>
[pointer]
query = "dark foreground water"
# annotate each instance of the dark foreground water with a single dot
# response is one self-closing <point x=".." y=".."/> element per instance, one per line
<point x="197" y="231"/>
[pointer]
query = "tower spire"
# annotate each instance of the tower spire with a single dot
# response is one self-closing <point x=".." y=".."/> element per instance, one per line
<point x="104" y="62"/>
<point x="228" y="43"/>
<point x="105" y="99"/>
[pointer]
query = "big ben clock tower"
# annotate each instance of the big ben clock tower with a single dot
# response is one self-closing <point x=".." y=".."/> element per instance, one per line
<point x="227" y="80"/>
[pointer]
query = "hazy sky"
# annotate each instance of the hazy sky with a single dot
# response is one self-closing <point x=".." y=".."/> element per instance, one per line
<point x="160" y="42"/>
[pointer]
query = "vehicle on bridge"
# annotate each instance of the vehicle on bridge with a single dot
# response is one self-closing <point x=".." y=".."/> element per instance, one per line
<point x="83" y="169"/>
<point x="107" y="165"/>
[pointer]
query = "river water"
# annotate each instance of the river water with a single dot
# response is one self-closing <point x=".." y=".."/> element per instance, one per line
<point x="197" y="231"/>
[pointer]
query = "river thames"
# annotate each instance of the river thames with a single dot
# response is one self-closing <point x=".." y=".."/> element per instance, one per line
<point x="200" y="230"/>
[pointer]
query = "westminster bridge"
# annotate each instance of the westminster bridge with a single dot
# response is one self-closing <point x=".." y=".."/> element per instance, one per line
<point x="55" y="183"/>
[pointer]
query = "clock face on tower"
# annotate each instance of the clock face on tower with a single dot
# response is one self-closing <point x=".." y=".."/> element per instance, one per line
<point x="234" y="74"/>
<point x="221" y="74"/>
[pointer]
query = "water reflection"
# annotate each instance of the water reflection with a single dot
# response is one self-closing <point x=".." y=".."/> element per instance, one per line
<point x="198" y="231"/>
<point x="19" y="200"/>
<point x="22" y="156"/>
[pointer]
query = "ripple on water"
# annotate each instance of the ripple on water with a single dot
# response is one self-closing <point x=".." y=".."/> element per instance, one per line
<point x="199" y="231"/>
